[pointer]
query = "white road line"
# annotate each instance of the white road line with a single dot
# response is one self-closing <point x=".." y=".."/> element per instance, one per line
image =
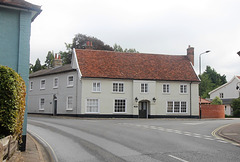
<point x="209" y="139"/>
<point x="177" y="158"/>
<point x="207" y="136"/>
<point x="222" y="141"/>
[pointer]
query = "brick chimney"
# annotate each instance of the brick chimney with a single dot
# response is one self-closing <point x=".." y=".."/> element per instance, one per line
<point x="89" y="45"/>
<point x="190" y="54"/>
<point x="57" y="60"/>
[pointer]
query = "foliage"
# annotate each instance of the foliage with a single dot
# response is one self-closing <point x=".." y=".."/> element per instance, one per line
<point x="79" y="42"/>
<point x="210" y="80"/>
<point x="118" y="48"/>
<point x="216" y="101"/>
<point x="66" y="55"/>
<point x="49" y="59"/>
<point x="236" y="107"/>
<point x="37" y="65"/>
<point x="12" y="102"/>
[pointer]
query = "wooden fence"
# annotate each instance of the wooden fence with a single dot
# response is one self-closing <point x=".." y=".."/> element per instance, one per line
<point x="8" y="146"/>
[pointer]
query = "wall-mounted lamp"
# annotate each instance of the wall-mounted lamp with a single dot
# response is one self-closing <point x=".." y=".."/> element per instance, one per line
<point x="136" y="99"/>
<point x="238" y="53"/>
<point x="154" y="99"/>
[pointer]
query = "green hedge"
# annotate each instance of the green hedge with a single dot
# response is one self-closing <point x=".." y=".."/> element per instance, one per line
<point x="12" y="102"/>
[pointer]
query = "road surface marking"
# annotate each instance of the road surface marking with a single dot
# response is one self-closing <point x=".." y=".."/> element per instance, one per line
<point x="177" y="158"/>
<point x="193" y="123"/>
<point x="209" y="139"/>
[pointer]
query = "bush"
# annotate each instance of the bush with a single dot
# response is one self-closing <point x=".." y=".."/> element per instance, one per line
<point x="236" y="107"/>
<point x="216" y="101"/>
<point x="12" y="102"/>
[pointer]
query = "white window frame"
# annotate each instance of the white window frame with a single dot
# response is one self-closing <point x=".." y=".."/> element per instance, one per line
<point x="31" y="86"/>
<point x="183" y="87"/>
<point x="145" y="88"/>
<point x="180" y="107"/>
<point x="114" y="105"/>
<point x="54" y="85"/>
<point x="95" y="87"/>
<point x="98" y="106"/>
<point x="41" y="106"/>
<point x="42" y="86"/>
<point x="67" y="103"/>
<point x="221" y="95"/>
<point x="167" y="88"/>
<point x="70" y="84"/>
<point x="118" y="87"/>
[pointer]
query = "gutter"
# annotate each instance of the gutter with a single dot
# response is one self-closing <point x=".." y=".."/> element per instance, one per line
<point x="20" y="8"/>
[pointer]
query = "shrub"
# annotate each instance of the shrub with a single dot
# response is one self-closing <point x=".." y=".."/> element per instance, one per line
<point x="216" y="101"/>
<point x="236" y="107"/>
<point x="12" y="102"/>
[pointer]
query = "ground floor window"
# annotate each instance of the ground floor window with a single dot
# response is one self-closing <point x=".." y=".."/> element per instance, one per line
<point x="69" y="102"/>
<point x="41" y="103"/>
<point x="92" y="106"/>
<point x="176" y="106"/>
<point x="120" y="105"/>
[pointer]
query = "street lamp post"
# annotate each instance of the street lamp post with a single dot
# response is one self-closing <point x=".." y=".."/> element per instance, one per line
<point x="200" y="107"/>
<point x="201" y="61"/>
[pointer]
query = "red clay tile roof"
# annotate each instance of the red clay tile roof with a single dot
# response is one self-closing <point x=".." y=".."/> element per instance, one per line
<point x="23" y="5"/>
<point x="109" y="64"/>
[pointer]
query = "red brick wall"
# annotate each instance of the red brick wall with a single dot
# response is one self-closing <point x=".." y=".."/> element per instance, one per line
<point x="213" y="111"/>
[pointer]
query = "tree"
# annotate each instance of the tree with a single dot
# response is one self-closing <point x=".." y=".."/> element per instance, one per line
<point x="66" y="55"/>
<point x="79" y="42"/>
<point x="236" y="107"/>
<point x="37" y="65"/>
<point x="118" y="48"/>
<point x="216" y="101"/>
<point x="210" y="80"/>
<point x="49" y="59"/>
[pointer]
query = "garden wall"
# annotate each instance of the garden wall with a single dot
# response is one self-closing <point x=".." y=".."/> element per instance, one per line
<point x="213" y="111"/>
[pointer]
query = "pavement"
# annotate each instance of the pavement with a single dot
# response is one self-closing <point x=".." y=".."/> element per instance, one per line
<point x="230" y="132"/>
<point x="36" y="150"/>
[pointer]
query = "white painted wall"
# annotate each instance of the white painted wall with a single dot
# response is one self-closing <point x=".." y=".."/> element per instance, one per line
<point x="132" y="90"/>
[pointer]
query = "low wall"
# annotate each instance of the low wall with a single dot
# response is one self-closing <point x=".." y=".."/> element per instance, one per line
<point x="213" y="111"/>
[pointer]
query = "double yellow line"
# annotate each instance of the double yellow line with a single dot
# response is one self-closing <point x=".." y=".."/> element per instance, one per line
<point x="214" y="133"/>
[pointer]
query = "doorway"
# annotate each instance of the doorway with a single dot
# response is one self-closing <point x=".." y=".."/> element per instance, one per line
<point x="54" y="105"/>
<point x="143" y="109"/>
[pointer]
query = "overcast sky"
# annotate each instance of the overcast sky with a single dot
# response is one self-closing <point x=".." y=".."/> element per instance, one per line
<point x="149" y="26"/>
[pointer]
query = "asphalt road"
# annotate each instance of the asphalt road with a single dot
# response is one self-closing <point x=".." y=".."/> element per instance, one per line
<point x="167" y="140"/>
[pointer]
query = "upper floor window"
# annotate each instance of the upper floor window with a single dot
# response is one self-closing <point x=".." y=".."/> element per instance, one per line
<point x="69" y="102"/>
<point x="221" y="95"/>
<point x="96" y="87"/>
<point x="55" y="82"/>
<point x="183" y="88"/>
<point x="144" y="87"/>
<point x="42" y="84"/>
<point x="41" y="103"/>
<point x="166" y="88"/>
<point x="31" y="85"/>
<point x="70" y="81"/>
<point x="118" y="87"/>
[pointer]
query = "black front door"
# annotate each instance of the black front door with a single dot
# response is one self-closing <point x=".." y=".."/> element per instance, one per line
<point x="143" y="108"/>
<point x="55" y="107"/>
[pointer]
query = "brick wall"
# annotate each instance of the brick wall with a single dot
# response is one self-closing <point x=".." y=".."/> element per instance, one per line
<point x="213" y="111"/>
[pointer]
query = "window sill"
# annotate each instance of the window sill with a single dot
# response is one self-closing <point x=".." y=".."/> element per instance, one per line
<point x="41" y="109"/>
<point x="69" y="86"/>
<point x="69" y="109"/>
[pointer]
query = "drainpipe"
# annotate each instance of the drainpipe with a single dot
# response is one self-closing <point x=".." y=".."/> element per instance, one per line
<point x="190" y="99"/>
